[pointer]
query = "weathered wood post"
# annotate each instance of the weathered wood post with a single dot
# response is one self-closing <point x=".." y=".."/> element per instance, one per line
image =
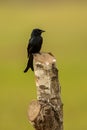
<point x="46" y="113"/>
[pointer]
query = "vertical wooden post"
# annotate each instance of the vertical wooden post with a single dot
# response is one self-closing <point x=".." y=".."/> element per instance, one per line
<point x="46" y="113"/>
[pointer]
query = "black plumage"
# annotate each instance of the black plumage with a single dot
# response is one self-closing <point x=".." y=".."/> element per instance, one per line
<point x="34" y="46"/>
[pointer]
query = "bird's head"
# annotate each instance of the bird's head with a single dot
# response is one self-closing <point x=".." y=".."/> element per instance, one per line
<point x="37" y="32"/>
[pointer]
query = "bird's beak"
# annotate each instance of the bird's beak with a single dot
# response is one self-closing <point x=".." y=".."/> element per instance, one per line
<point x="43" y="31"/>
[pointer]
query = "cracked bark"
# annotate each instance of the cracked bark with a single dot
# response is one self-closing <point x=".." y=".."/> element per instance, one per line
<point x="46" y="113"/>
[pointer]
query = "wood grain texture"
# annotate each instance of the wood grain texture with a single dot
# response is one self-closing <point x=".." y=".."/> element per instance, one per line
<point x="46" y="113"/>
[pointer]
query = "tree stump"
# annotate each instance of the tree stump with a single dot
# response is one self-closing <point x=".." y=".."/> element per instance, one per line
<point x="46" y="113"/>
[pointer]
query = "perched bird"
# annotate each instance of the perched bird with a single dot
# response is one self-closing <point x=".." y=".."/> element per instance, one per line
<point x="34" y="46"/>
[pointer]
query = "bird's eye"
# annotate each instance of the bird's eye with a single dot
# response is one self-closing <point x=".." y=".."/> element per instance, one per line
<point x="38" y="31"/>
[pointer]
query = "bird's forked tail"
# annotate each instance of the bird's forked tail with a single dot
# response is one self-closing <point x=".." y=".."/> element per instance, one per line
<point x="29" y="64"/>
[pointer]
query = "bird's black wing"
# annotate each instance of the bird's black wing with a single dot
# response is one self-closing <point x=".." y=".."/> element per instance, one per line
<point x="29" y="48"/>
<point x="34" y="45"/>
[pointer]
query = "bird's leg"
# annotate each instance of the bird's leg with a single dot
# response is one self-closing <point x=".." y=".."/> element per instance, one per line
<point x="39" y="53"/>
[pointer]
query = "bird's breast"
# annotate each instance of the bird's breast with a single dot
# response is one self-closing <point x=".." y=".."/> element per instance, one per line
<point x="36" y="43"/>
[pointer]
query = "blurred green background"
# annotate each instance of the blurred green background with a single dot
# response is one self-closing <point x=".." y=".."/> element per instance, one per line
<point x="65" y="24"/>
